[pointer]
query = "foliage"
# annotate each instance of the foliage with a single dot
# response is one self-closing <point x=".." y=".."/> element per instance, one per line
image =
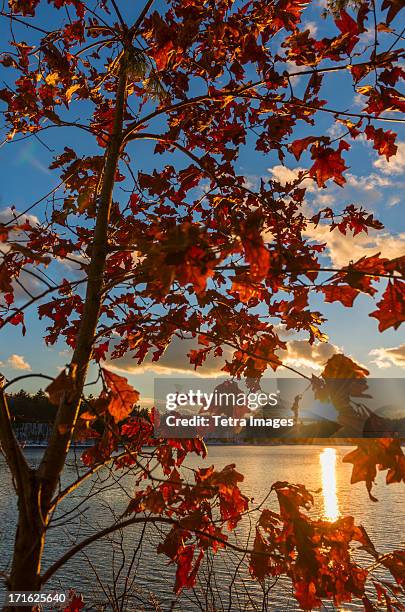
<point x="189" y="249"/>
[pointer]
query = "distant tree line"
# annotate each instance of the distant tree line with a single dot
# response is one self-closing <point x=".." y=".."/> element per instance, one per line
<point x="31" y="408"/>
<point x="36" y="407"/>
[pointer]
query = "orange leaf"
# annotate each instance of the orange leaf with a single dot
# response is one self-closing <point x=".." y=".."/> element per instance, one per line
<point x="61" y="388"/>
<point x="162" y="55"/>
<point x="122" y="395"/>
<point x="391" y="309"/>
<point x="328" y="164"/>
<point x="384" y="142"/>
<point x="298" y="146"/>
<point x="340" y="293"/>
<point x="340" y="366"/>
<point x="246" y="291"/>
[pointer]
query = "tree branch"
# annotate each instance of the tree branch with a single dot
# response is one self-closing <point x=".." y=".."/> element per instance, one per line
<point x="236" y="93"/>
<point x="25" y="23"/>
<point x="138" y="22"/>
<point x="23" y="377"/>
<point x="12" y="450"/>
<point x="35" y="299"/>
<point x="74" y="485"/>
<point x="118" y="13"/>
<point x="143" y="520"/>
<point x="96" y="536"/>
<point x="54" y="457"/>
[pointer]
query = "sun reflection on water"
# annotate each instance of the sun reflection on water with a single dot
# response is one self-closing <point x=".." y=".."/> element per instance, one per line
<point x="329" y="488"/>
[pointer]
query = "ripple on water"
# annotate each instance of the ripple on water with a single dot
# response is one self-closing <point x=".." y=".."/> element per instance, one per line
<point x="261" y="466"/>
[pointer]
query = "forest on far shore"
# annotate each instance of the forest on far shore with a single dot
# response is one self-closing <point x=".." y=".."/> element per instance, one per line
<point x="32" y="408"/>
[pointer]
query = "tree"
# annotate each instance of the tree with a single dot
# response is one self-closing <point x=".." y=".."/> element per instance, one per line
<point x="193" y="249"/>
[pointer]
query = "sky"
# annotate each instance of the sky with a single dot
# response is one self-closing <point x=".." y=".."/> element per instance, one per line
<point x="371" y="182"/>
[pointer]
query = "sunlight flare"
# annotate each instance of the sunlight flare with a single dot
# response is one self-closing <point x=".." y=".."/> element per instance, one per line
<point x="329" y="488"/>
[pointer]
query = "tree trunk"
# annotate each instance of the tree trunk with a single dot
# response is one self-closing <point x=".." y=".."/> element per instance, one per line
<point x="34" y="510"/>
<point x="29" y="543"/>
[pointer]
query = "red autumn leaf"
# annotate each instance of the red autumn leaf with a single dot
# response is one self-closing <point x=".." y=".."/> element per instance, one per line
<point x="76" y="603"/>
<point x="305" y="593"/>
<point x="122" y="396"/>
<point x="24" y="7"/>
<point x="162" y="55"/>
<point x="100" y="351"/>
<point x="393" y="6"/>
<point x="340" y="366"/>
<point x="260" y="564"/>
<point x="17" y="319"/>
<point x="391" y="77"/>
<point x="342" y="380"/>
<point x="62" y="388"/>
<point x="340" y="293"/>
<point x="377" y="454"/>
<point x="5" y="280"/>
<point x="396" y="265"/>
<point x="197" y="357"/>
<point x="194" y="269"/>
<point x="258" y="258"/>
<point x="328" y="164"/>
<point x="346" y="24"/>
<point x="395" y="563"/>
<point x="391" y="309"/>
<point x="384" y="142"/>
<point x="4" y="232"/>
<point x="360" y="71"/>
<point x="186" y="574"/>
<point x="246" y="291"/>
<point x="298" y="146"/>
<point x="359" y="274"/>
<point x="256" y="253"/>
<point x="204" y="340"/>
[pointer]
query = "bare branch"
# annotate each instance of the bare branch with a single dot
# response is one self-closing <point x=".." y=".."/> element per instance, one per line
<point x="139" y="520"/>
<point x="97" y="536"/>
<point x="12" y="450"/>
<point x="138" y="22"/>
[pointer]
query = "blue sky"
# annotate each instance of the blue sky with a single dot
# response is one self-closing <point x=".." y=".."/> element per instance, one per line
<point x="371" y="182"/>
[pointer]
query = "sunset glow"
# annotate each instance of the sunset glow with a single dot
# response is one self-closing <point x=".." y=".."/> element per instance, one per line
<point x="328" y="467"/>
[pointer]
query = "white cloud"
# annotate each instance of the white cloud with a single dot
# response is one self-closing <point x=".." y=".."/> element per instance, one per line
<point x="7" y="214"/>
<point x="367" y="183"/>
<point x="394" y="200"/>
<point x="311" y="26"/>
<point x="284" y="175"/>
<point x="365" y="191"/>
<point x="388" y="357"/>
<point x="174" y="361"/>
<point x="343" y="249"/>
<point x="300" y="353"/>
<point x="396" y="164"/>
<point x="17" y="362"/>
<point x="336" y="130"/>
<point x="251" y="181"/>
<point x="360" y="190"/>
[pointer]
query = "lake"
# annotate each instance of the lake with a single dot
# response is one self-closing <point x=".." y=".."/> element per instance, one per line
<point x="107" y="561"/>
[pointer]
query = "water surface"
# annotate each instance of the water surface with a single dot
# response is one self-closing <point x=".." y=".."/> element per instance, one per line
<point x="318" y="467"/>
